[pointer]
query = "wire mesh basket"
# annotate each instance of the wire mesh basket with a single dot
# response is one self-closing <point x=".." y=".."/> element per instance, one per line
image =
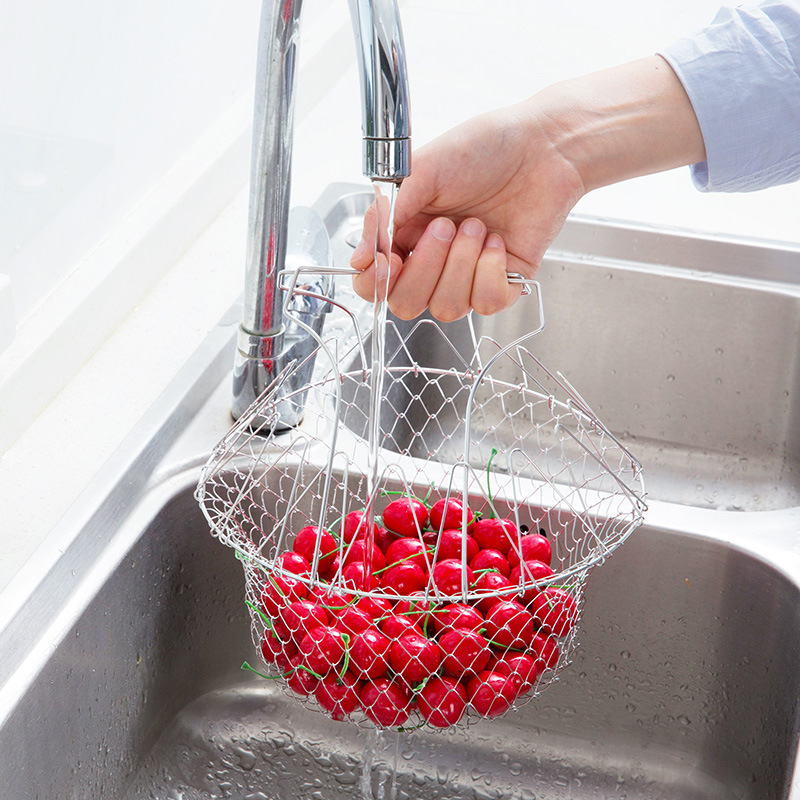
<point x="421" y="560"/>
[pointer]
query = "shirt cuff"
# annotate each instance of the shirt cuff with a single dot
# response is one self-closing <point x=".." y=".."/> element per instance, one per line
<point x="741" y="76"/>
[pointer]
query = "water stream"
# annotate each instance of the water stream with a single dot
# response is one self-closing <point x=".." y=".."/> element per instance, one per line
<point x="385" y="199"/>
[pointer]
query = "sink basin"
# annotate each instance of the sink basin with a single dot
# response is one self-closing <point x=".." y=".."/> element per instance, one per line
<point x="121" y="643"/>
<point x="687" y="350"/>
<point x="684" y="686"/>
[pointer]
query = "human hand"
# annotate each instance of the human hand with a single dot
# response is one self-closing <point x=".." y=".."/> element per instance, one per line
<point x="483" y="200"/>
<point x="489" y="197"/>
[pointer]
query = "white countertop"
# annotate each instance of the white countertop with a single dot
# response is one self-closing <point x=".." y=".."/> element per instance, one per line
<point x="464" y="57"/>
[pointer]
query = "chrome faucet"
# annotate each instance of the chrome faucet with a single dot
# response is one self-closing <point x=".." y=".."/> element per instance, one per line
<point x="277" y="238"/>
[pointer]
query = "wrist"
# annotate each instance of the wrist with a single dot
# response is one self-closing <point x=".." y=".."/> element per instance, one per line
<point x="622" y="123"/>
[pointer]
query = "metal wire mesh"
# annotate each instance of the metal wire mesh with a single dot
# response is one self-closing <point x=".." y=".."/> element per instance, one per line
<point x="458" y="594"/>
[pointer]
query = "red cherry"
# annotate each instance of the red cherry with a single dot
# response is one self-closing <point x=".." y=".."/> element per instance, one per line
<point x="332" y="600"/>
<point x="338" y="695"/>
<point x="277" y="651"/>
<point x="446" y="514"/>
<point x="466" y="652"/>
<point x="386" y="702"/>
<point x="357" y="576"/>
<point x="301" y="617"/>
<point x="495" y="534"/>
<point x="492" y="693"/>
<point x="395" y="625"/>
<point x="528" y="572"/>
<point x="447" y="577"/>
<point x="442" y="701"/>
<point x="490" y="559"/>
<point x="545" y="649"/>
<point x="490" y="583"/>
<point x="376" y="607"/>
<point x="312" y="539"/>
<point x="408" y="549"/>
<point x="405" y="516"/>
<point x="369" y="654"/>
<point x="294" y="562"/>
<point x="323" y="649"/>
<point x="279" y="592"/>
<point x="417" y="609"/>
<point x="358" y="552"/>
<point x="555" y="609"/>
<point x="522" y="666"/>
<point x="404" y="579"/>
<point x="510" y="625"/>
<point x="352" y="620"/>
<point x="354" y="526"/>
<point x="414" y="658"/>
<point x="384" y="538"/>
<point x="457" y="615"/>
<point x="299" y="679"/>
<point x="451" y="545"/>
<point x="532" y="547"/>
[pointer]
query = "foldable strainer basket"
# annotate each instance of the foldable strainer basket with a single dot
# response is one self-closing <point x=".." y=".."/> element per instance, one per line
<point x="421" y="560"/>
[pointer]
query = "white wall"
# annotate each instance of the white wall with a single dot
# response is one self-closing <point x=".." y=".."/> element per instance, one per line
<point x="97" y="100"/>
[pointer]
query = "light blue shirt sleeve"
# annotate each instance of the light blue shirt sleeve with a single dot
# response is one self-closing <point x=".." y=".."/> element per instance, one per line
<point x="742" y="75"/>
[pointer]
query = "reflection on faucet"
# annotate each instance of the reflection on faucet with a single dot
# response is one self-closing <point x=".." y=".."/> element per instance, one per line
<point x="264" y="348"/>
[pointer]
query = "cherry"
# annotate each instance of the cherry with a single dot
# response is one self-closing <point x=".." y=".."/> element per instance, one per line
<point x="532" y="547"/>
<point x="294" y="562"/>
<point x="522" y="666"/>
<point x="404" y="579"/>
<point x="449" y="513"/>
<point x="358" y="552"/>
<point x="509" y="624"/>
<point x="414" y="658"/>
<point x="369" y="654"/>
<point x="338" y="695"/>
<point x="323" y="649"/>
<point x="376" y="607"/>
<point x="299" y="679"/>
<point x="417" y="609"/>
<point x="466" y="651"/>
<point x="357" y="576"/>
<point x="385" y="702"/>
<point x="408" y="549"/>
<point x="301" y="617"/>
<point x="311" y="539"/>
<point x="545" y="648"/>
<point x="555" y="609"/>
<point x="492" y="693"/>
<point x="490" y="559"/>
<point x="395" y="625"/>
<point x="352" y="620"/>
<point x="442" y="701"/>
<point x="447" y="576"/>
<point x="277" y="651"/>
<point x="332" y="600"/>
<point x="491" y="583"/>
<point x="457" y="615"/>
<point x="405" y="516"/>
<point x="279" y="592"/>
<point x="495" y="534"/>
<point x="527" y="572"/>
<point x="452" y="545"/>
<point x="354" y="526"/>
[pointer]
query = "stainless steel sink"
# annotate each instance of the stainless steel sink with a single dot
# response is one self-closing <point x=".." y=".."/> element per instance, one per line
<point x="121" y="643"/>
<point x="688" y="350"/>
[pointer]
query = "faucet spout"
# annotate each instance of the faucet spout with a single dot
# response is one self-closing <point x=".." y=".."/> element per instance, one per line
<point x="265" y="348"/>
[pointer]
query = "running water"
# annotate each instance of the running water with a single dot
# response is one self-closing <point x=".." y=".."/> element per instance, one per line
<point x="385" y="198"/>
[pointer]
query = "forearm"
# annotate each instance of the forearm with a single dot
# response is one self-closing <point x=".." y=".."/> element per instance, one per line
<point x="621" y="123"/>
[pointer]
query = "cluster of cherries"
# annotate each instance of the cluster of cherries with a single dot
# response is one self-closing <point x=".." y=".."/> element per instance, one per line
<point x="405" y="646"/>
